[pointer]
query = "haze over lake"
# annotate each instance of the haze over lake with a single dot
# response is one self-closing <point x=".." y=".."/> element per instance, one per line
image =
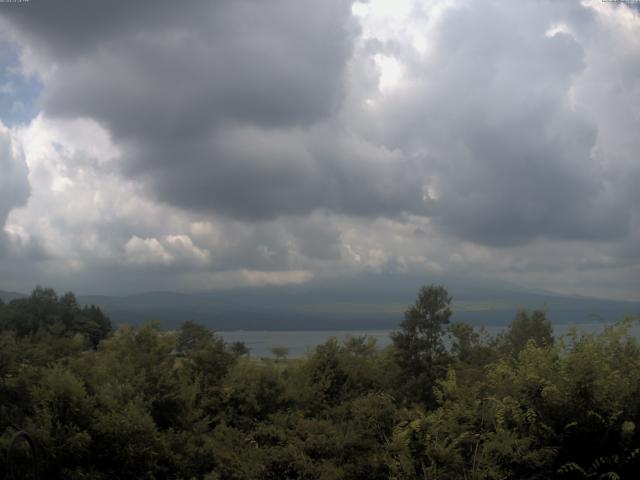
<point x="301" y="343"/>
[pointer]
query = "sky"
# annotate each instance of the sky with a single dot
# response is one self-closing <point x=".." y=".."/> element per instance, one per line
<point x="163" y="145"/>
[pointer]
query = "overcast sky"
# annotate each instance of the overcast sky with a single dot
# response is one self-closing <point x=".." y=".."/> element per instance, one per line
<point x="196" y="145"/>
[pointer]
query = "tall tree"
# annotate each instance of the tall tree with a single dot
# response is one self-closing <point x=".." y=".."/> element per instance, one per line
<point x="419" y="347"/>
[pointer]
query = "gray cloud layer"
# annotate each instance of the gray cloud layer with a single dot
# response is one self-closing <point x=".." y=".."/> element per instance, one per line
<point x="216" y="105"/>
<point x="510" y="150"/>
<point x="513" y="124"/>
<point x="231" y="108"/>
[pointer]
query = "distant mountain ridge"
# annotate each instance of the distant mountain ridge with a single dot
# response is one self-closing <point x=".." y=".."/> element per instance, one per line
<point x="8" y="296"/>
<point x="347" y="304"/>
<point x="356" y="305"/>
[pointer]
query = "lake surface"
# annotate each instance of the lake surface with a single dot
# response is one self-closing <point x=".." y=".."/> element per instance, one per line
<point x="300" y="343"/>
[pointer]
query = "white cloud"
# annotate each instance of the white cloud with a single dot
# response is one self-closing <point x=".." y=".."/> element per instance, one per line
<point x="224" y="280"/>
<point x="181" y="246"/>
<point x="144" y="251"/>
<point x="14" y="185"/>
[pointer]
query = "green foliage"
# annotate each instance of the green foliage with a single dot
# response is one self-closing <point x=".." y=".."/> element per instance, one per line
<point x="280" y="353"/>
<point x="239" y="349"/>
<point x="526" y="328"/>
<point x="251" y="393"/>
<point x="44" y="315"/>
<point x="150" y="404"/>
<point x="419" y="347"/>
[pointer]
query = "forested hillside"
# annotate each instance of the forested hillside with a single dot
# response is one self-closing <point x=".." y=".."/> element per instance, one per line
<point x="445" y="401"/>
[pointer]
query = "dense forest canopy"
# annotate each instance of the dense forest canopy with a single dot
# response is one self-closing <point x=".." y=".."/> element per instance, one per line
<point x="444" y="401"/>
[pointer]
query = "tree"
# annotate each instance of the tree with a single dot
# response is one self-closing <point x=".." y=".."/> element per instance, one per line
<point x="94" y="324"/>
<point x="280" y="353"/>
<point x="239" y="349"/>
<point x="193" y="337"/>
<point x="419" y="349"/>
<point x="527" y="327"/>
<point x="45" y="314"/>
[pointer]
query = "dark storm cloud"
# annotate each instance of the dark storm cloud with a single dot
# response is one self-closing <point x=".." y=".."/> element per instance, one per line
<point x="252" y="174"/>
<point x="176" y="79"/>
<point x="69" y="28"/>
<point x="212" y="102"/>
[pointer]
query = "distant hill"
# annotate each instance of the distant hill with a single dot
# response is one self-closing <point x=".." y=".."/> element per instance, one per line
<point x="8" y="296"/>
<point x="345" y="305"/>
<point x="357" y="303"/>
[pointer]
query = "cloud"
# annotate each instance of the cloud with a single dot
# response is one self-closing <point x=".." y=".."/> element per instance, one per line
<point x="171" y="249"/>
<point x="146" y="251"/>
<point x="250" y="113"/>
<point x="215" y="105"/>
<point x="216" y="142"/>
<point x="14" y="183"/>
<point x="494" y="110"/>
<point x="243" y="278"/>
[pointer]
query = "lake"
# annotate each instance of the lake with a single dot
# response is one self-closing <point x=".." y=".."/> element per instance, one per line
<point x="300" y="343"/>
